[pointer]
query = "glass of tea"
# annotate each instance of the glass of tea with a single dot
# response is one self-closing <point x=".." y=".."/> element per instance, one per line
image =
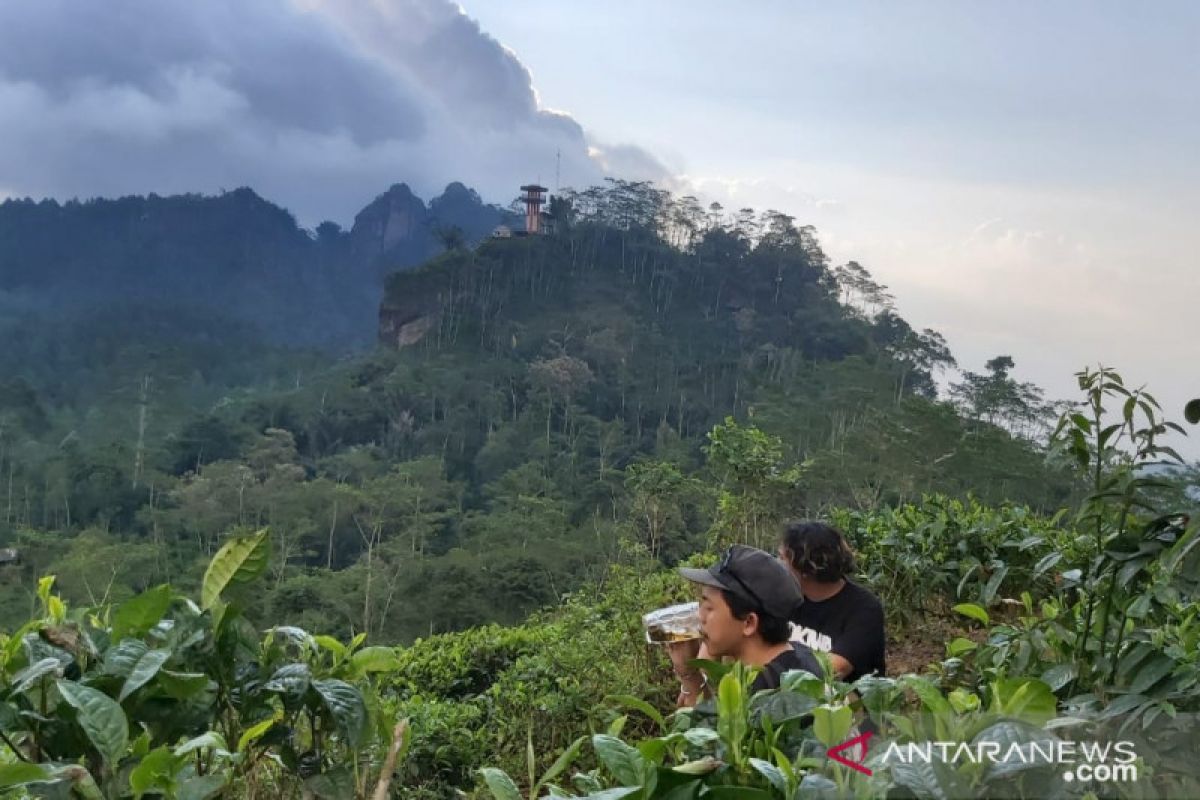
<point x="679" y="623"/>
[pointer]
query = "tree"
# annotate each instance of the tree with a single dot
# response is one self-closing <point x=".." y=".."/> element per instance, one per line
<point x="997" y="399"/>
<point x="859" y="291"/>
<point x="757" y="489"/>
<point x="661" y="503"/>
<point x="451" y="237"/>
<point x="919" y="355"/>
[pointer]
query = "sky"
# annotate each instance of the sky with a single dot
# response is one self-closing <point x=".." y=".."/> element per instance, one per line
<point x="1022" y="176"/>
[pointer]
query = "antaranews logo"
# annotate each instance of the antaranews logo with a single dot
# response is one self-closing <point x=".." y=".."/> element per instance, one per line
<point x="858" y="753"/>
<point x="1084" y="761"/>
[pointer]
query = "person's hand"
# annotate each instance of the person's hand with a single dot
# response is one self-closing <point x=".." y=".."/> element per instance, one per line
<point x="691" y="680"/>
<point x="681" y="653"/>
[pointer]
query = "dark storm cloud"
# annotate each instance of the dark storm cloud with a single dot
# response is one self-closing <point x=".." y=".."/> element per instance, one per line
<point x="316" y="105"/>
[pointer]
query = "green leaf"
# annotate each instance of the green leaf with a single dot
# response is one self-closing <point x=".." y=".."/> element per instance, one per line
<point x="332" y="645"/>
<point x="1027" y="699"/>
<point x="45" y="584"/>
<point x="637" y="704"/>
<point x="974" y="612"/>
<point x="257" y="731"/>
<point x="1123" y="705"/>
<point x="624" y="762"/>
<point x="205" y="741"/>
<point x="959" y="646"/>
<point x="100" y="717"/>
<point x="781" y="707"/>
<point x="701" y="737"/>
<point x="345" y="704"/>
<point x="121" y="660"/>
<point x="155" y="771"/>
<point x="21" y="773"/>
<point x="1059" y="676"/>
<point x="772" y="773"/>
<point x="930" y="695"/>
<point x="83" y="785"/>
<point x="375" y="659"/>
<point x="619" y="793"/>
<point x="929" y="779"/>
<point x="239" y="560"/>
<point x="140" y="746"/>
<point x="963" y="701"/>
<point x="182" y="685"/>
<point x="561" y="763"/>
<point x="290" y="679"/>
<point x="735" y="793"/>
<point x="831" y="723"/>
<point x="145" y="669"/>
<point x="701" y="766"/>
<point x="141" y="613"/>
<point x="1014" y="736"/>
<point x="815" y="785"/>
<point x="731" y="708"/>
<point x="501" y="786"/>
<point x="201" y="788"/>
<point x="1151" y="673"/>
<point x="35" y="672"/>
<point x="1046" y="562"/>
<point x="1180" y="550"/>
<point x="993" y="585"/>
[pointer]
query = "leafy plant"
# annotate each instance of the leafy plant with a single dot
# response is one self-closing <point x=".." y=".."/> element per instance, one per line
<point x="165" y="697"/>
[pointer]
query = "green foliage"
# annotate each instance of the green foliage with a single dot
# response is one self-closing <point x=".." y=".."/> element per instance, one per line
<point x="151" y="703"/>
<point x="551" y="409"/>
<point x="1102" y="643"/>
<point x="919" y="556"/>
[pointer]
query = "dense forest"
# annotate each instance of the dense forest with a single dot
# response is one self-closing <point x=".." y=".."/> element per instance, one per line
<point x="537" y="404"/>
<point x="299" y="487"/>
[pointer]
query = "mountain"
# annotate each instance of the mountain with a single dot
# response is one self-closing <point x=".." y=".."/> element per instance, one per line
<point x="234" y="254"/>
<point x="649" y="375"/>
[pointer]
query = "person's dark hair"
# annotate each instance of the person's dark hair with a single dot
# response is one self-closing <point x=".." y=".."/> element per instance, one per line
<point x="819" y="550"/>
<point x="774" y="630"/>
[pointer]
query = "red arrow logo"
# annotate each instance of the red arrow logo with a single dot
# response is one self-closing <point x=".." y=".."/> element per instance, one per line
<point x="861" y="739"/>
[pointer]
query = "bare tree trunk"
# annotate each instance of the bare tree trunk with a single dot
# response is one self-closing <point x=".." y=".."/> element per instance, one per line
<point x="140" y="449"/>
<point x="8" y="514"/>
<point x="389" y="763"/>
<point x="332" y="526"/>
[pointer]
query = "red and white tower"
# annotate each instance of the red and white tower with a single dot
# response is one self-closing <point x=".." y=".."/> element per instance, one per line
<point x="533" y="196"/>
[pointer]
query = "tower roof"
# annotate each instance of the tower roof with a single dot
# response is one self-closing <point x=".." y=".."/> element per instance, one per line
<point x="533" y="187"/>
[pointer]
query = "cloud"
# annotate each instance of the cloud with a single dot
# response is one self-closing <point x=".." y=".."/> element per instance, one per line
<point x="315" y="104"/>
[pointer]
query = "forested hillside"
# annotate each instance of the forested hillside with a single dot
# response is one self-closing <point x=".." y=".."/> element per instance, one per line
<point x="537" y="405"/>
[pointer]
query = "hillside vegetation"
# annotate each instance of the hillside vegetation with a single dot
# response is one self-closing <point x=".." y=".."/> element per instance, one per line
<point x="271" y="543"/>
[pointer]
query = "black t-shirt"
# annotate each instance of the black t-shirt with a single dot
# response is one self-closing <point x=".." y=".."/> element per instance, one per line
<point x="849" y="624"/>
<point x="796" y="657"/>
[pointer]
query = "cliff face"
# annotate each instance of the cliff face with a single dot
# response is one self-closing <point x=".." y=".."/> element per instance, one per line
<point x="407" y="320"/>
<point x="395" y="224"/>
<point x="397" y="230"/>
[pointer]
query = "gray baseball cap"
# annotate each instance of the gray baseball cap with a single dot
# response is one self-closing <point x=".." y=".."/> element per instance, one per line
<point x="754" y="575"/>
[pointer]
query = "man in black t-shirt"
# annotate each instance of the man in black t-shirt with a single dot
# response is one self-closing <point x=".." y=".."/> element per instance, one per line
<point x="745" y="603"/>
<point x="839" y="616"/>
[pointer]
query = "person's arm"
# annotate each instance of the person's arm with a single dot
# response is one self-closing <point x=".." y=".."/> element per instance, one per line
<point x="841" y="666"/>
<point x="862" y="644"/>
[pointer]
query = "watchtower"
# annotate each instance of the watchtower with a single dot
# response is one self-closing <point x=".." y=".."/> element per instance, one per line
<point x="533" y="196"/>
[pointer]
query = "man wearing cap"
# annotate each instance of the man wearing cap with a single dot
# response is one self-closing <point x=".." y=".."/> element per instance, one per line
<point x="746" y="602"/>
